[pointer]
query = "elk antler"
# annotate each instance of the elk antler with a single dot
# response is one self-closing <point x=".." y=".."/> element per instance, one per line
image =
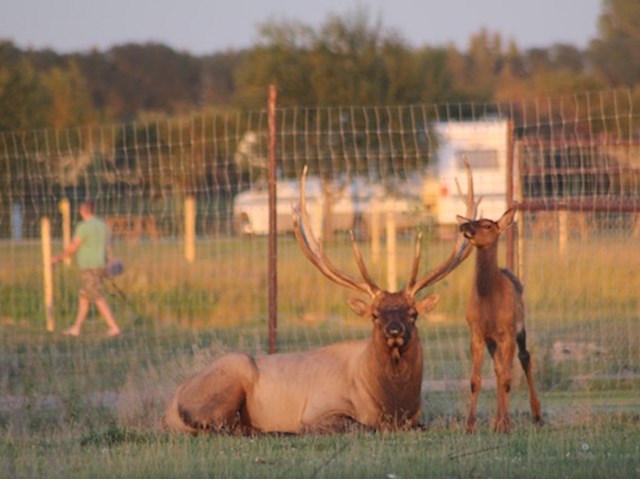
<point x="314" y="252"/>
<point x="461" y="250"/>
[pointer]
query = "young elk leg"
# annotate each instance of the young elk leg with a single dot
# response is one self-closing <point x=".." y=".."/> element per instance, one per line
<point x="502" y="354"/>
<point x="525" y="361"/>
<point x="477" y="350"/>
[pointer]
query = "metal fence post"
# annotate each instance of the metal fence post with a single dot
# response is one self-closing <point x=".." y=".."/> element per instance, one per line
<point x="273" y="225"/>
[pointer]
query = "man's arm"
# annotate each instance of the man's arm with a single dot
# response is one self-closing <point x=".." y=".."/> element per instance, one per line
<point x="70" y="250"/>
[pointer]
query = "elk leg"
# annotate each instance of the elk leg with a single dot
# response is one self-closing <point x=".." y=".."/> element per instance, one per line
<point x="525" y="361"/>
<point x="502" y="360"/>
<point x="214" y="400"/>
<point x="477" y="350"/>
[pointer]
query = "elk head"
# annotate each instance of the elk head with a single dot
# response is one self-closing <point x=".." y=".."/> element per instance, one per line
<point x="393" y="313"/>
<point x="484" y="232"/>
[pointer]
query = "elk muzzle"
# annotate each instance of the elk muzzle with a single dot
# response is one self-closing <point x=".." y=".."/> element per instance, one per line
<point x="468" y="229"/>
<point x="397" y="336"/>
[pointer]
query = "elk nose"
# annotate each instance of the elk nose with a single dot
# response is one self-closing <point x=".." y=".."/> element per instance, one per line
<point x="467" y="229"/>
<point x="395" y="330"/>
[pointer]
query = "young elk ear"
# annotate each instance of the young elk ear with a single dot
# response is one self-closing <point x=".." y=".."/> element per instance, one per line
<point x="506" y="219"/>
<point x="427" y="303"/>
<point x="359" y="307"/>
<point x="462" y="219"/>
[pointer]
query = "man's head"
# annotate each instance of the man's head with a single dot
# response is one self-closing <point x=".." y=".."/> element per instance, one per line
<point x="87" y="208"/>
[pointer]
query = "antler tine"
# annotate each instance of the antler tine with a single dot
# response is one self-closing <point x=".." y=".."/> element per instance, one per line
<point x="416" y="262"/>
<point x="314" y="252"/>
<point x="461" y="249"/>
<point x="361" y="265"/>
<point x="473" y="212"/>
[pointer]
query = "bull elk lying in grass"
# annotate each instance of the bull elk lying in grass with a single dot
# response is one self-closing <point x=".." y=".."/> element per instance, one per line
<point x="495" y="314"/>
<point x="373" y="383"/>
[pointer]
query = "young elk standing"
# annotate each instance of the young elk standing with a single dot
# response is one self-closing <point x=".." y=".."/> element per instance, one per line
<point x="495" y="315"/>
<point x="374" y="383"/>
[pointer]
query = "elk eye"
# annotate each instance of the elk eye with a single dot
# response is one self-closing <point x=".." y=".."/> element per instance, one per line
<point x="487" y="227"/>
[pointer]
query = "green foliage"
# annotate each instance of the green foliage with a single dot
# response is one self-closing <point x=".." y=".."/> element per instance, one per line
<point x="349" y="59"/>
<point x="22" y="99"/>
<point x="615" y="52"/>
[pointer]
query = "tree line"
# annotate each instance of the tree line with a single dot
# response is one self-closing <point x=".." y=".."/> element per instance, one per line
<point x="349" y="60"/>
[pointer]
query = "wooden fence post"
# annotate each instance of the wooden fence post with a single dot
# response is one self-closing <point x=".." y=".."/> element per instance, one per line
<point x="563" y="231"/>
<point x="190" y="229"/>
<point x="375" y="231"/>
<point x="392" y="277"/>
<point x="45" y="233"/>
<point x="65" y="210"/>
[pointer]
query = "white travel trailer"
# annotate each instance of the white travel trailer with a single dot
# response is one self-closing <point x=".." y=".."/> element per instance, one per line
<point x="483" y="144"/>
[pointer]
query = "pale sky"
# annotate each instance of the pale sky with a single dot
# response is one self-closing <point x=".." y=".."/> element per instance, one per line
<point x="208" y="26"/>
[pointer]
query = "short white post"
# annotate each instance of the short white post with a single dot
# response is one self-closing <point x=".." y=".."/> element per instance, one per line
<point x="563" y="232"/>
<point x="391" y="252"/>
<point x="190" y="229"/>
<point x="45" y="233"/>
<point x="375" y="231"/>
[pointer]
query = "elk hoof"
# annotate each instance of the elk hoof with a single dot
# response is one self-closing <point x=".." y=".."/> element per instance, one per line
<point x="472" y="427"/>
<point x="502" y="425"/>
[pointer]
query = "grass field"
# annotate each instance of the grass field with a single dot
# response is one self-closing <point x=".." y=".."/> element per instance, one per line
<point x="600" y="448"/>
<point x="91" y="406"/>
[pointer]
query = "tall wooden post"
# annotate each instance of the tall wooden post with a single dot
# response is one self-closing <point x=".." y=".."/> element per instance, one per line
<point x="190" y="229"/>
<point x="45" y="234"/>
<point x="392" y="276"/>
<point x="375" y="231"/>
<point x="65" y="211"/>
<point x="273" y="225"/>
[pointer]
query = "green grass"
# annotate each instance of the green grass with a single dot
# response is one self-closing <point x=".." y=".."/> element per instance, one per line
<point x="600" y="447"/>
<point x="91" y="406"/>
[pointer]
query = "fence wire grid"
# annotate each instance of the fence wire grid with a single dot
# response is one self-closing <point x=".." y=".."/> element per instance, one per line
<point x="576" y="179"/>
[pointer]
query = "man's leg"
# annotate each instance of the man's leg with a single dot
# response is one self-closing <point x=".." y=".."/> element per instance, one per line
<point x="105" y="311"/>
<point x="81" y="315"/>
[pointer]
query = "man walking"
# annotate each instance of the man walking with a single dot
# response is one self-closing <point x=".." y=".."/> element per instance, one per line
<point x="91" y="242"/>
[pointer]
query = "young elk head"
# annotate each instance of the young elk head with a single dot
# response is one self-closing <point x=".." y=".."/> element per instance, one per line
<point x="394" y="314"/>
<point x="484" y="233"/>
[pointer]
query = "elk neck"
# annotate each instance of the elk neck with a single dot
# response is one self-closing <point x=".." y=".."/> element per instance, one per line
<point x="487" y="273"/>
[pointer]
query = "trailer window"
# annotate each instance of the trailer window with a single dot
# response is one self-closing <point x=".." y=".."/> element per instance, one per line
<point x="477" y="159"/>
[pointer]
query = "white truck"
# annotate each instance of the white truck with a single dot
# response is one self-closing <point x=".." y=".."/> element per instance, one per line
<point x="483" y="144"/>
<point x="352" y="203"/>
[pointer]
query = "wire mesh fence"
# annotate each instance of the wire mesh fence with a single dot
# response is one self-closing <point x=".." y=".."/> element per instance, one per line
<point x="375" y="170"/>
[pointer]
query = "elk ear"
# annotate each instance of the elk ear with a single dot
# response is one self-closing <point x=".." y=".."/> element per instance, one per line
<point x="359" y="307"/>
<point x="461" y="219"/>
<point x="506" y="219"/>
<point x="427" y="303"/>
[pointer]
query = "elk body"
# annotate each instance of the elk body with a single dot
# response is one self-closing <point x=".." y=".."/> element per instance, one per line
<point x="496" y="316"/>
<point x="373" y="383"/>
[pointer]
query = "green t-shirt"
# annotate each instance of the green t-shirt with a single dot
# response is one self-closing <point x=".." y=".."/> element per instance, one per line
<point x="95" y="235"/>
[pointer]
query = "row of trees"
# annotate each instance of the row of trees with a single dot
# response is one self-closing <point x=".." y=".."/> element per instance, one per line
<point x="349" y="60"/>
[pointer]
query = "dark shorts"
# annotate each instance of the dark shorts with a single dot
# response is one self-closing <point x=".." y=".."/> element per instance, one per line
<point x="91" y="283"/>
